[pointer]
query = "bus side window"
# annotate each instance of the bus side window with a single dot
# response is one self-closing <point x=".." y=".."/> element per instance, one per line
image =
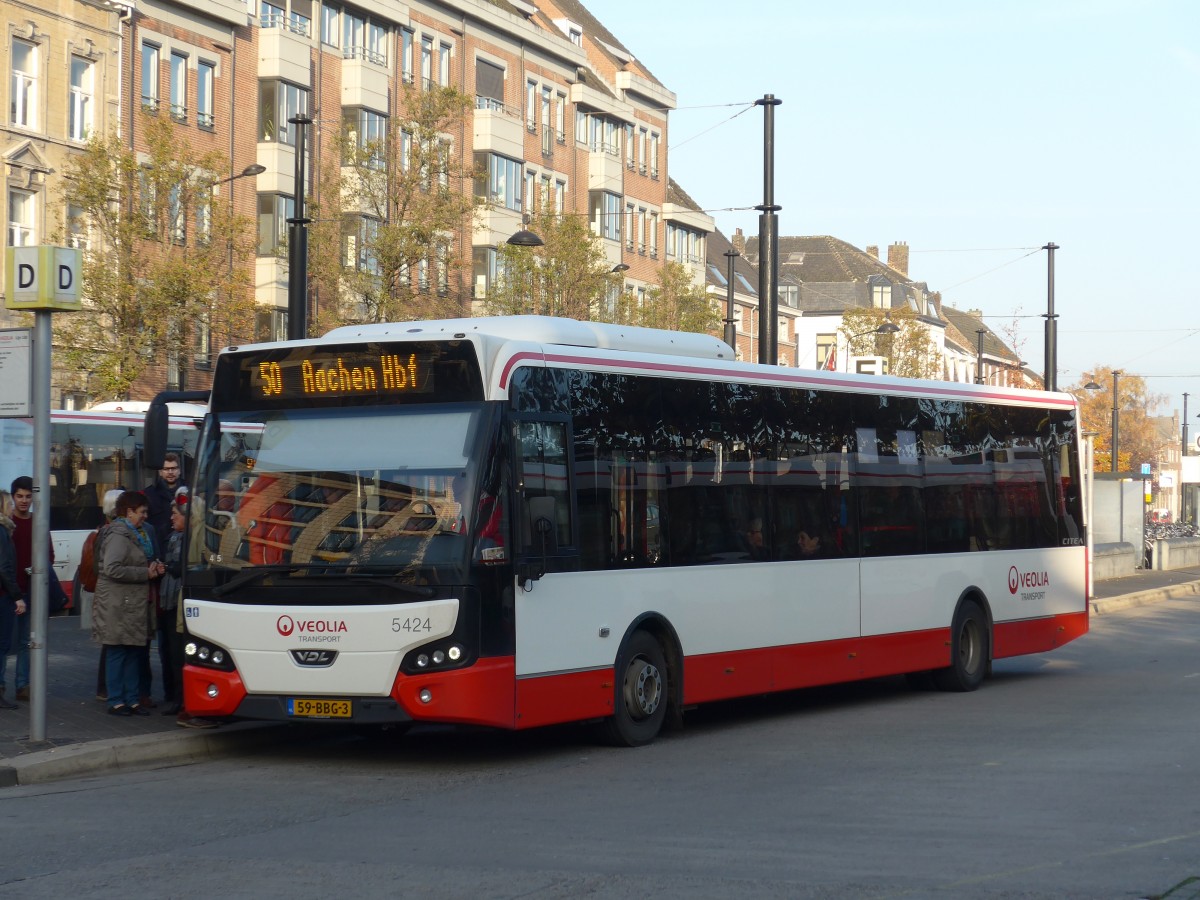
<point x="543" y="448"/>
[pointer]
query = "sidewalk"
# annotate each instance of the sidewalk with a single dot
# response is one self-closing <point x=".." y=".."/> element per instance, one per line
<point x="82" y="739"/>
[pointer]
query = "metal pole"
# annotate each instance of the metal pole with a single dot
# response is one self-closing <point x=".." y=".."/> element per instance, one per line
<point x="1183" y="444"/>
<point x="1116" y="412"/>
<point x="39" y="607"/>
<point x="1051" y="380"/>
<point x="768" y="243"/>
<point x="730" y="325"/>
<point x="297" y="329"/>
<point x="1089" y="456"/>
<point x="979" y="332"/>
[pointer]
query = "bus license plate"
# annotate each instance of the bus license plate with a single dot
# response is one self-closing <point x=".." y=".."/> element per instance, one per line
<point x="318" y="709"/>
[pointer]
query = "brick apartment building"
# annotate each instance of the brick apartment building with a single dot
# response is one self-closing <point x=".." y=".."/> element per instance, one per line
<point x="563" y="112"/>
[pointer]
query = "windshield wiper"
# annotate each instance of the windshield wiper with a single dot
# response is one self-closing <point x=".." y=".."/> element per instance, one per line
<point x="418" y="590"/>
<point x="252" y="574"/>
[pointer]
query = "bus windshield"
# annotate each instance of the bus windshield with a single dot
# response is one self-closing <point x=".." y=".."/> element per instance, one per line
<point x="308" y="497"/>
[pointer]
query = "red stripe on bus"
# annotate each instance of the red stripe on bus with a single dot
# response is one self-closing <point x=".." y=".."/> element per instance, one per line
<point x="1037" y="635"/>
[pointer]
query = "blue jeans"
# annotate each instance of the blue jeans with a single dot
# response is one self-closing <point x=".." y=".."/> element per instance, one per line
<point x="22" y="648"/>
<point x="121" y="664"/>
<point x="7" y="627"/>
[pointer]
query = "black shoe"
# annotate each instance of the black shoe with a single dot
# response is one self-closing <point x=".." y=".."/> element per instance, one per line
<point x="139" y="711"/>
<point x="121" y="710"/>
<point x="172" y="710"/>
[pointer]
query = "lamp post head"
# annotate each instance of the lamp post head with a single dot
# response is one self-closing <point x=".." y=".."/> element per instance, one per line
<point x="621" y="267"/>
<point x="1092" y="386"/>
<point x="526" y="238"/>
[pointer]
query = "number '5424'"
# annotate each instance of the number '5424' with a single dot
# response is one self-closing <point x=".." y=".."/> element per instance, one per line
<point x="412" y="623"/>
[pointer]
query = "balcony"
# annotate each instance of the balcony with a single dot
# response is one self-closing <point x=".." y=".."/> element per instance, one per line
<point x="606" y="172"/>
<point x="364" y="81"/>
<point x="284" y="53"/>
<point x="271" y="282"/>
<point x="498" y="129"/>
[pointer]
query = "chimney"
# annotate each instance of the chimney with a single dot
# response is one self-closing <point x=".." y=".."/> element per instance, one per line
<point x="898" y="257"/>
<point x="975" y="313"/>
<point x="739" y="241"/>
<point x="873" y="250"/>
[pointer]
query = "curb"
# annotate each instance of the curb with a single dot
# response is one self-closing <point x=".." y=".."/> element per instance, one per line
<point x="1145" y="598"/>
<point x="137" y="752"/>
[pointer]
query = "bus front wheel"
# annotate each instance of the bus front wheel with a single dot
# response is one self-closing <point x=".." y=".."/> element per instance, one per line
<point x="969" y="650"/>
<point x="641" y="693"/>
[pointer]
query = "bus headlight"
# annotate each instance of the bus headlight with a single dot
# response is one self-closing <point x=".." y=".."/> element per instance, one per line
<point x="207" y="655"/>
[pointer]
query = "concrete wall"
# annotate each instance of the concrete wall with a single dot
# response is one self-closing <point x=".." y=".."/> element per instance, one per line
<point x="1176" y="553"/>
<point x="1115" y="560"/>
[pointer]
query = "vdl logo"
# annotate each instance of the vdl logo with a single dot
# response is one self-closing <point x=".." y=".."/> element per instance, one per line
<point x="285" y="625"/>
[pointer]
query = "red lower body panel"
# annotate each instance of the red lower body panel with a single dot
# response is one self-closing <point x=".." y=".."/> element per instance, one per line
<point x="479" y="695"/>
<point x="1037" y="635"/>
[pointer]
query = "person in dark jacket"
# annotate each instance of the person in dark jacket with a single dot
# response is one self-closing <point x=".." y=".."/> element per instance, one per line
<point x="11" y="600"/>
<point x="160" y="495"/>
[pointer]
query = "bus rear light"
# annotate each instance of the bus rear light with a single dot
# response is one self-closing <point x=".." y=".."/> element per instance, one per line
<point x="212" y="691"/>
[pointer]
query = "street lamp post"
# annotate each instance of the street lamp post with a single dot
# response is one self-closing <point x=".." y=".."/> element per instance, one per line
<point x="979" y="333"/>
<point x="527" y="239"/>
<point x="1183" y="447"/>
<point x="888" y="327"/>
<point x="1116" y="433"/>
<point x="730" y="325"/>
<point x="1051" y="380"/>
<point x="297" y="329"/>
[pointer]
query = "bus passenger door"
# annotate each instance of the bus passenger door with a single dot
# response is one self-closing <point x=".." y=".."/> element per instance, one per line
<point x="545" y="516"/>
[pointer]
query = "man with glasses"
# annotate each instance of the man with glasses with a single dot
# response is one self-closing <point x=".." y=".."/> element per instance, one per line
<point x="161" y="494"/>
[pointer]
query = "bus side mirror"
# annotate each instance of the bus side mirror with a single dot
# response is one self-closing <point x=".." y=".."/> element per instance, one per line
<point x="154" y="446"/>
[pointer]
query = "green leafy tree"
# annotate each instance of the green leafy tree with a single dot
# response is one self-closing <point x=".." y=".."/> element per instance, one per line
<point x="568" y="276"/>
<point x="676" y="303"/>
<point x="1138" y="441"/>
<point x="394" y="200"/>
<point x="167" y="262"/>
<point x="910" y="352"/>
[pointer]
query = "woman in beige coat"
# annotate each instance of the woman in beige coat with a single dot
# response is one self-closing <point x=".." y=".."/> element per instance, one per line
<point x="122" y="614"/>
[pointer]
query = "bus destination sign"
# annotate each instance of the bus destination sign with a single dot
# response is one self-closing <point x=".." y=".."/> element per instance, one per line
<point x="344" y="375"/>
<point x="367" y="373"/>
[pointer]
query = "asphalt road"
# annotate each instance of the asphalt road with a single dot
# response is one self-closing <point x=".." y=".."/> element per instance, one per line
<point x="1070" y="775"/>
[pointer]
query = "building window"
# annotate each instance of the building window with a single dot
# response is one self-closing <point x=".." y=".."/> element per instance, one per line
<point x="205" y="75"/>
<point x="274" y="210"/>
<point x="560" y="196"/>
<point x="630" y="147"/>
<point x="148" y="203"/>
<point x="360" y="236"/>
<point x="501" y="181"/>
<point x="23" y="101"/>
<point x="789" y="295"/>
<point x="367" y="130"/>
<point x="575" y="36"/>
<point x="426" y="63"/>
<point x="270" y="325"/>
<point x="406" y="56"/>
<point x="177" y="215"/>
<point x="444" y="65"/>
<point x="560" y="118"/>
<point x="530" y="182"/>
<point x="78" y="234"/>
<point x="485" y="270"/>
<point x="79" y="114"/>
<point x="881" y="296"/>
<point x="150" y="77"/>
<point x="642" y="150"/>
<point x="531" y="92"/>
<point x="653" y="155"/>
<point x="202" y="346"/>
<point x="271" y="16"/>
<point x="279" y="101"/>
<point x="329" y="25"/>
<point x="629" y="226"/>
<point x="604" y="209"/>
<point x="377" y="43"/>
<point x="653" y="235"/>
<point x="203" y="218"/>
<point x="179" y="87"/>
<point x="21" y="218"/>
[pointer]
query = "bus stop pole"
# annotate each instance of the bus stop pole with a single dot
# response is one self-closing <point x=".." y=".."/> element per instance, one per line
<point x="39" y="578"/>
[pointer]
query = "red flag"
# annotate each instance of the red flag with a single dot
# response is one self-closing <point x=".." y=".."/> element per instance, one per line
<point x="831" y="360"/>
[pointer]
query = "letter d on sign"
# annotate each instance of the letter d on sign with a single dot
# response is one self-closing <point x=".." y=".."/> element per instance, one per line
<point x="43" y="278"/>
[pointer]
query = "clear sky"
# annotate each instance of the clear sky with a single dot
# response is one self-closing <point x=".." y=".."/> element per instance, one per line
<point x="977" y="132"/>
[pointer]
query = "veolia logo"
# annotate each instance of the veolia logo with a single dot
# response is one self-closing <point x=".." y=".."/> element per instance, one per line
<point x="286" y="626"/>
<point x="1026" y="580"/>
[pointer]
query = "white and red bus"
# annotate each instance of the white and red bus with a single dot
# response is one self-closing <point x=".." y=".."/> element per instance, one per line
<point x="521" y="521"/>
<point x="91" y="452"/>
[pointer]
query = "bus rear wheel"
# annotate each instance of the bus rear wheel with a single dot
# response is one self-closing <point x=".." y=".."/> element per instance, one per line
<point x="641" y="692"/>
<point x="969" y="650"/>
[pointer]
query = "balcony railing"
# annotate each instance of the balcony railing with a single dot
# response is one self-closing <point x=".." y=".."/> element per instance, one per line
<point x="280" y="20"/>
<point x="365" y="53"/>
